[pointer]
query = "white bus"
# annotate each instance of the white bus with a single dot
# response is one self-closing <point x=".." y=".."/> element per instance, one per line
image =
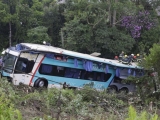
<point x="47" y="66"/>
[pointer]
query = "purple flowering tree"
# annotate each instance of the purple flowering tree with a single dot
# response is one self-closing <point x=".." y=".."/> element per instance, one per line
<point x="138" y="23"/>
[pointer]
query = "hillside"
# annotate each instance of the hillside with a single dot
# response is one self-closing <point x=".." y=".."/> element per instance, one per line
<point x="65" y="104"/>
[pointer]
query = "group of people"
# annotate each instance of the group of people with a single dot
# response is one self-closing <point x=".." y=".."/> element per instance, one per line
<point x="128" y="59"/>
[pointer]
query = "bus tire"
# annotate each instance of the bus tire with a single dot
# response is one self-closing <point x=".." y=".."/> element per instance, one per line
<point x="124" y="90"/>
<point x="41" y="83"/>
<point x="112" y="89"/>
<point x="9" y="79"/>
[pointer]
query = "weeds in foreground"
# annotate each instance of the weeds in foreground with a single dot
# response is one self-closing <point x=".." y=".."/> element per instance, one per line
<point x="55" y="104"/>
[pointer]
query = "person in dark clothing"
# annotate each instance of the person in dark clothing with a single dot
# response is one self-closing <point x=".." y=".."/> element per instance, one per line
<point x="125" y="59"/>
<point x="130" y="58"/>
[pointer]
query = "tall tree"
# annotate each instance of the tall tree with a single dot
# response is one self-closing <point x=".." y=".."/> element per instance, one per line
<point x="38" y="35"/>
<point x="87" y="29"/>
<point x="30" y="15"/>
<point x="54" y="20"/>
<point x="151" y="61"/>
<point x="9" y="9"/>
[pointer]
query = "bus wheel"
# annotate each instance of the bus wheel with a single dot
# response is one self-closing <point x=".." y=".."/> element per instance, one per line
<point x="9" y="79"/>
<point x="123" y="90"/>
<point x="41" y="83"/>
<point x="112" y="89"/>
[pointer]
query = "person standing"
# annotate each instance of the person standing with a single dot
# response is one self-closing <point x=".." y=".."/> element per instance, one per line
<point x="121" y="56"/>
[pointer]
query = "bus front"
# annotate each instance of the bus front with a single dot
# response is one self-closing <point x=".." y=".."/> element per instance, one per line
<point x="9" y="59"/>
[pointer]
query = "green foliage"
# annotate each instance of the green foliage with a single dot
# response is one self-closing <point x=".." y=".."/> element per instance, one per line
<point x="38" y="35"/>
<point x="154" y="117"/>
<point x="145" y="86"/>
<point x="132" y="115"/>
<point x="37" y="9"/>
<point x="87" y="30"/>
<point x="152" y="60"/>
<point x="116" y="41"/>
<point x="7" y="110"/>
<point x="53" y="19"/>
<point x="87" y="26"/>
<point x="49" y="104"/>
<point x="148" y="39"/>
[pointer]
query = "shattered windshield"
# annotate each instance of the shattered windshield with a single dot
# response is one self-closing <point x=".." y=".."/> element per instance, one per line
<point x="8" y="62"/>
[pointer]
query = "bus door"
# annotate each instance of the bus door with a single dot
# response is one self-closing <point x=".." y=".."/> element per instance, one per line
<point x="23" y="69"/>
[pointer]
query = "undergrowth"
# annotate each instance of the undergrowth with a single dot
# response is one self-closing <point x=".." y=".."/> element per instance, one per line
<point x="23" y="103"/>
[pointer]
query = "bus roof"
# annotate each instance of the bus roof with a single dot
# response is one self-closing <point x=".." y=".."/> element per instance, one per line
<point x="45" y="48"/>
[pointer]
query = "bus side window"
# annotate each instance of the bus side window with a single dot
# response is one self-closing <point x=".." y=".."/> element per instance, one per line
<point x="102" y="77"/>
<point x="61" y="71"/>
<point x="46" y="69"/>
<point x="89" y="76"/>
<point x="107" y="76"/>
<point x="83" y="74"/>
<point x="72" y="73"/>
<point x="98" y="78"/>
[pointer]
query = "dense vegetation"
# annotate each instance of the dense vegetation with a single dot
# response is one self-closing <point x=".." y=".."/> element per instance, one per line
<point x="105" y="26"/>
<point x="26" y="103"/>
<point x="85" y="26"/>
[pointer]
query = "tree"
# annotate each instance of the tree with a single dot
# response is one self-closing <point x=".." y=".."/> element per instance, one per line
<point x="151" y="63"/>
<point x="30" y="15"/>
<point x="138" y="23"/>
<point x="152" y="60"/>
<point x="87" y="30"/>
<point x="8" y="8"/>
<point x="149" y="38"/>
<point x="38" y="35"/>
<point x="54" y="20"/>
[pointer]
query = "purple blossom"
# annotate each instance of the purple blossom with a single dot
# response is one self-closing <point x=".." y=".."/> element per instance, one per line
<point x="136" y="24"/>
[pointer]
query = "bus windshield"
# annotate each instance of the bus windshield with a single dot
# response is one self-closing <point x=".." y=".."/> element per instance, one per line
<point x="8" y="62"/>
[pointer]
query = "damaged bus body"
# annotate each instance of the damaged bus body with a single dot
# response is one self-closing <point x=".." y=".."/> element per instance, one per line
<point x="9" y="56"/>
<point x="47" y="66"/>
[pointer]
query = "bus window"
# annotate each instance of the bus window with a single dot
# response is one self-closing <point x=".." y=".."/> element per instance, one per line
<point x="72" y="73"/>
<point x="24" y="65"/>
<point x="60" y="57"/>
<point x="107" y="76"/>
<point x="8" y="62"/>
<point x="51" y="70"/>
<point x="87" y="75"/>
<point x="60" y="71"/>
<point x="21" y="65"/>
<point x="96" y="76"/>
<point x="46" y="69"/>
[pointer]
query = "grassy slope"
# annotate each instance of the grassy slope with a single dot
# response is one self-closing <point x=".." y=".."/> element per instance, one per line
<point x="71" y="104"/>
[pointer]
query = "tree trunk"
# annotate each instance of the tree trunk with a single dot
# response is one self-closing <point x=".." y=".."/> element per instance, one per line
<point x="109" y="13"/>
<point x="114" y="16"/>
<point x="62" y="38"/>
<point x="10" y="35"/>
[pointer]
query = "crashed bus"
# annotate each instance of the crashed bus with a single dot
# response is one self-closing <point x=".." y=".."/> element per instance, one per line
<point x="47" y="66"/>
